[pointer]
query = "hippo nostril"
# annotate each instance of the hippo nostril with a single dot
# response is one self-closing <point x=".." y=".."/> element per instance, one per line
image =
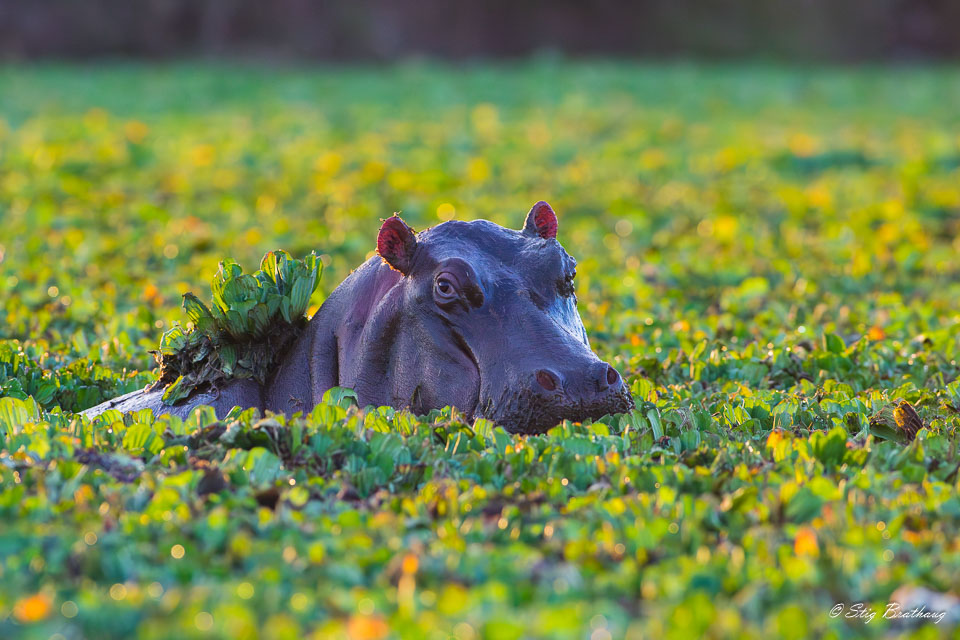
<point x="612" y="376"/>
<point x="546" y="380"/>
<point x="605" y="377"/>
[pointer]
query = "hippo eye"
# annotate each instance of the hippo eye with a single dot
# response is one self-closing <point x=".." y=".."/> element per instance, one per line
<point x="445" y="288"/>
<point x="457" y="286"/>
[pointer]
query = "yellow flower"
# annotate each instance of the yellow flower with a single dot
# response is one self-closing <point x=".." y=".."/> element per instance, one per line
<point x="367" y="628"/>
<point x="805" y="544"/>
<point x="32" y="608"/>
<point x="774" y="438"/>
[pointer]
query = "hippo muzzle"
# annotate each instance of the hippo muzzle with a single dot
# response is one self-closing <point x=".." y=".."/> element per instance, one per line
<point x="549" y="397"/>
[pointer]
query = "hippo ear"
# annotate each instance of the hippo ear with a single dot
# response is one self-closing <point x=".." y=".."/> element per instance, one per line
<point x="396" y="243"/>
<point x="541" y="221"/>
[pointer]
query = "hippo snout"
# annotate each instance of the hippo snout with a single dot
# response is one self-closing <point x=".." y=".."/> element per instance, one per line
<point x="552" y="395"/>
<point x="600" y="378"/>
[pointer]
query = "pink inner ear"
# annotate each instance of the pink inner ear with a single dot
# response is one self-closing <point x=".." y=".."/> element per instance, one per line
<point x="389" y="243"/>
<point x="545" y="220"/>
<point x="396" y="243"/>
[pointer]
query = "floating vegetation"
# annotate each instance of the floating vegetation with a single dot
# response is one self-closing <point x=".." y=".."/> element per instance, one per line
<point x="252" y="322"/>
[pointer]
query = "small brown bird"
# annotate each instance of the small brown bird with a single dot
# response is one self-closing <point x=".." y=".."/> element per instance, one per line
<point x="896" y="422"/>
<point x="907" y="419"/>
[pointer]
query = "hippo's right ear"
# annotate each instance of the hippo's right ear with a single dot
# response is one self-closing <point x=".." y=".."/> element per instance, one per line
<point x="541" y="221"/>
<point x="396" y="244"/>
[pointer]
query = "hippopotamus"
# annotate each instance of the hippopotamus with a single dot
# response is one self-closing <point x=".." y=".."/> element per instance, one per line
<point x="468" y="314"/>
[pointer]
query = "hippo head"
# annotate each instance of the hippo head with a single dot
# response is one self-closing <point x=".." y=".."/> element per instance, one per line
<point x="492" y="324"/>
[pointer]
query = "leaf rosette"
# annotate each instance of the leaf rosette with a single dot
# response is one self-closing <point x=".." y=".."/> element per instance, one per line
<point x="252" y="321"/>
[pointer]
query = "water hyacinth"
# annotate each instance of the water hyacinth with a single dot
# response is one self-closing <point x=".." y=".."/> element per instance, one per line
<point x="253" y="321"/>
<point x="765" y="291"/>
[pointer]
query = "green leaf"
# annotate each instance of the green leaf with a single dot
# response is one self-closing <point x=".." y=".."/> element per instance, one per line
<point x="270" y="264"/>
<point x="263" y="466"/>
<point x="240" y="289"/>
<point x="14" y="413"/>
<point x="340" y="397"/>
<point x="689" y="440"/>
<point x="227" y="272"/>
<point x="501" y="440"/>
<point x="286" y="310"/>
<point x="654" y="417"/>
<point x="176" y="391"/>
<point x="803" y="506"/>
<point x="259" y="317"/>
<point x="833" y="343"/>
<point x="173" y="340"/>
<point x="830" y="448"/>
<point x="196" y="310"/>
<point x="300" y="297"/>
<point x="228" y="358"/>
<point x="140" y="437"/>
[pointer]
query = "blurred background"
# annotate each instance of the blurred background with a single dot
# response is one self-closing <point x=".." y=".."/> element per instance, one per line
<point x="763" y="197"/>
<point x="384" y="30"/>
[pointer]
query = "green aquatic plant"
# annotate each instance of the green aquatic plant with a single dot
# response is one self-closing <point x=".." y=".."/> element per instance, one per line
<point x="768" y="255"/>
<point x="253" y="320"/>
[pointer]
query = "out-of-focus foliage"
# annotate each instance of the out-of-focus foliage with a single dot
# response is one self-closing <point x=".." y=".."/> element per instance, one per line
<point x="811" y="30"/>
<point x="769" y="256"/>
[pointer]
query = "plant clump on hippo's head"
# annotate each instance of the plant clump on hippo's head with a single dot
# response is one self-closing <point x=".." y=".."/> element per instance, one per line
<point x="465" y="314"/>
<point x="485" y="318"/>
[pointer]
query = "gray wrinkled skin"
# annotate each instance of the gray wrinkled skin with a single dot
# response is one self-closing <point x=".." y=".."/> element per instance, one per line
<point x="468" y="314"/>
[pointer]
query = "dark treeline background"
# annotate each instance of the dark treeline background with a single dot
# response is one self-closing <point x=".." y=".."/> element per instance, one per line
<point x="838" y="30"/>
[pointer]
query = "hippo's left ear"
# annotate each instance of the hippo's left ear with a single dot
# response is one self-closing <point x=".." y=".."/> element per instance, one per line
<point x="541" y="221"/>
<point x="396" y="243"/>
